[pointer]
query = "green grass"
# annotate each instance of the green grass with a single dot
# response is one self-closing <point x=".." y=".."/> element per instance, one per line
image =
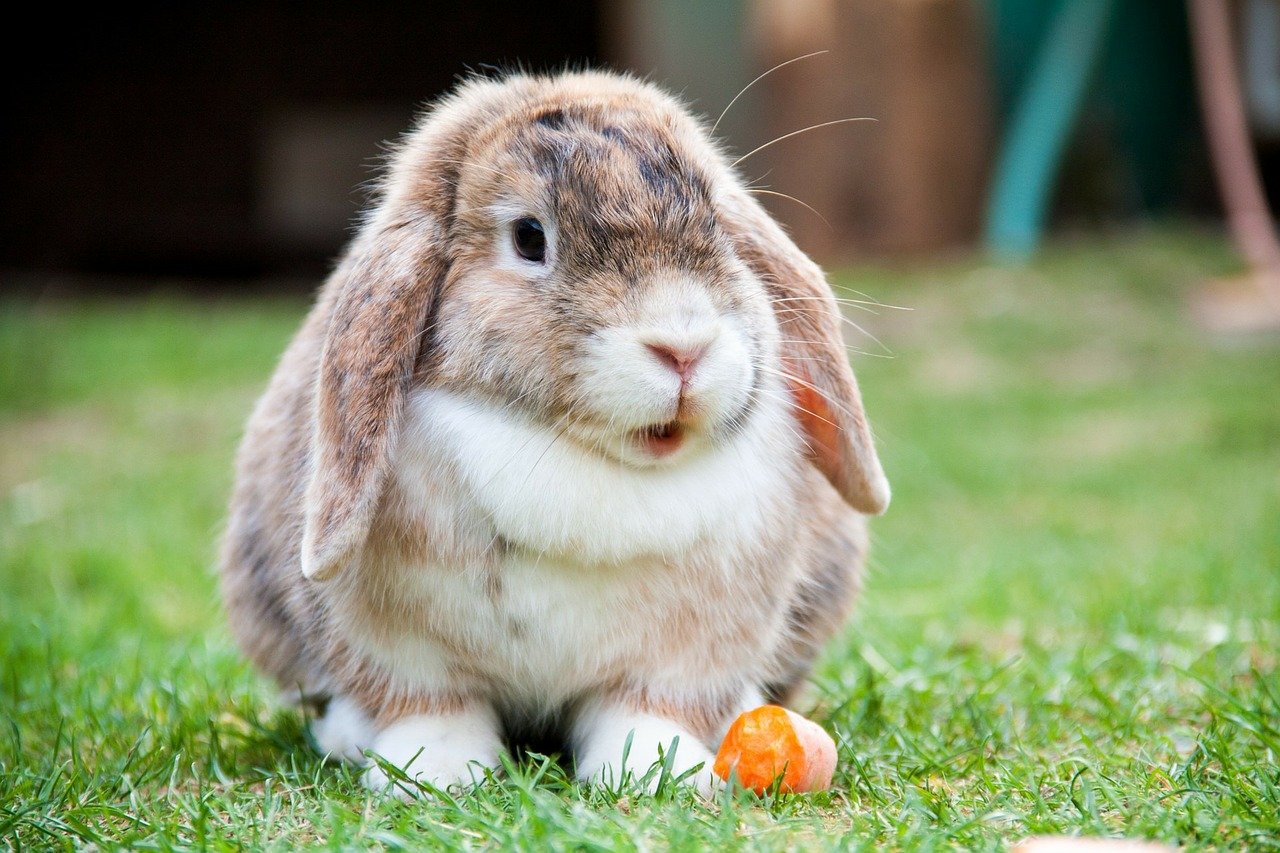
<point x="1071" y="625"/>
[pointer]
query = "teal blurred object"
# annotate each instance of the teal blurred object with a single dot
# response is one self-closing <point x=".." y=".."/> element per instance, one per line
<point x="1040" y="126"/>
<point x="1053" y="57"/>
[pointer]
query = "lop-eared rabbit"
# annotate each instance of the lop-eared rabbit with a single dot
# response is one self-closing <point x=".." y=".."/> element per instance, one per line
<point x="569" y="440"/>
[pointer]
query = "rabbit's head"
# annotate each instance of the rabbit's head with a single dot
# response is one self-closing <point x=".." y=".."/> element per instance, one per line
<point x="576" y="250"/>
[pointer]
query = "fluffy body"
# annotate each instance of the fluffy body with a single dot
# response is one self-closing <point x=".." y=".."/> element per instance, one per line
<point x="614" y="491"/>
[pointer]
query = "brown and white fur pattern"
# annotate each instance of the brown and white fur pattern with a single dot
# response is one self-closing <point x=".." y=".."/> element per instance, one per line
<point x="618" y="490"/>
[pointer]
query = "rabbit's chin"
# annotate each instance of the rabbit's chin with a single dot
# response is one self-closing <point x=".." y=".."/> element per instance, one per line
<point x="556" y="495"/>
<point x="661" y="444"/>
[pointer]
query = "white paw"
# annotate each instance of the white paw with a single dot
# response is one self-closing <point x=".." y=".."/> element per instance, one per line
<point x="344" y="731"/>
<point x="441" y="750"/>
<point x="603" y="739"/>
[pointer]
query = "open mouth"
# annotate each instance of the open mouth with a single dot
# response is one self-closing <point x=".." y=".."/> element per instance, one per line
<point x="661" y="439"/>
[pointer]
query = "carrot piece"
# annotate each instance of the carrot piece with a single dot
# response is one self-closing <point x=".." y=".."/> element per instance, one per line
<point x="767" y="742"/>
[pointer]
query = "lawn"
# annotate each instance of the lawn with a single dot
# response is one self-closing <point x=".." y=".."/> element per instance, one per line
<point x="1071" y="624"/>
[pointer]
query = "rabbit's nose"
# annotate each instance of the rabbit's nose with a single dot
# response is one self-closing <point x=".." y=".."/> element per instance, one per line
<point x="681" y="358"/>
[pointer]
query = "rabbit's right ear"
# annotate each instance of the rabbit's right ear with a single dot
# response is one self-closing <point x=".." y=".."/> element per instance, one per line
<point x="380" y="304"/>
<point x="381" y="300"/>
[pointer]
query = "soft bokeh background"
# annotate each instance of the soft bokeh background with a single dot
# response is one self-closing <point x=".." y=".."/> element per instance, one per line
<point x="162" y="142"/>
<point x="1072" y="617"/>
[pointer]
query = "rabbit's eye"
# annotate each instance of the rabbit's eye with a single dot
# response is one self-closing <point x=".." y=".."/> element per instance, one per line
<point x="530" y="239"/>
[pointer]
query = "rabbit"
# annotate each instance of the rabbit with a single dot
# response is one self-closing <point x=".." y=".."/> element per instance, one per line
<point x="568" y="440"/>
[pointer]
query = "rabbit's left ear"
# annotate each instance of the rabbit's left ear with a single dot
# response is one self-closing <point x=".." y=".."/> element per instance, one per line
<point x="381" y="301"/>
<point x="825" y="395"/>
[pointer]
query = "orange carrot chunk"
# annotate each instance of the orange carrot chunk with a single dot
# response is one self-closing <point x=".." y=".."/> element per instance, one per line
<point x="767" y="742"/>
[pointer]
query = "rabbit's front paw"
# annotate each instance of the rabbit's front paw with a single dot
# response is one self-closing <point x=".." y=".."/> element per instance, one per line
<point x="439" y="751"/>
<point x="617" y="748"/>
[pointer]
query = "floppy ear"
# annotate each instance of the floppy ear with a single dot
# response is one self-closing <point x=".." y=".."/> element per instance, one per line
<point x="380" y="303"/>
<point x="827" y="404"/>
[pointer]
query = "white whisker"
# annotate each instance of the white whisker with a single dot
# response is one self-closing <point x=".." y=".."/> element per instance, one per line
<point x="760" y="148"/>
<point x="842" y="300"/>
<point x="843" y="319"/>
<point x="744" y="89"/>
<point x="793" y="378"/>
<point x="796" y="200"/>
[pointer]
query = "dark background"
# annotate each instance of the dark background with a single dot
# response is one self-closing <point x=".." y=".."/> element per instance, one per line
<point x="231" y="145"/>
<point x="172" y="141"/>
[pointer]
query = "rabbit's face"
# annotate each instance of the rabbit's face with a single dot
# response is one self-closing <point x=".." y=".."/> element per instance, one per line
<point x="592" y="288"/>
<point x="575" y="250"/>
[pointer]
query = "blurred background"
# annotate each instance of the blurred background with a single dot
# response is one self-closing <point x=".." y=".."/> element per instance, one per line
<point x="227" y="145"/>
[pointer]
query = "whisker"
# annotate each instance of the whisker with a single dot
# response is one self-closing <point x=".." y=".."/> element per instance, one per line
<point x="416" y="338"/>
<point x="557" y="434"/>
<point x="797" y="201"/>
<point x="516" y="453"/>
<point x="878" y="342"/>
<point x="842" y="300"/>
<point x="757" y="80"/>
<point x="839" y="305"/>
<point x="848" y="348"/>
<point x="760" y="148"/>
<point x="833" y="402"/>
<point x="793" y="357"/>
<point x="843" y="319"/>
<point x="796" y="379"/>
<point x="865" y="296"/>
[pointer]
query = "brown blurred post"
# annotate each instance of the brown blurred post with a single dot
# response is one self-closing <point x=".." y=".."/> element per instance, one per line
<point x="696" y="49"/>
<point x="1254" y="302"/>
<point x="914" y="180"/>
<point x="1223" y="107"/>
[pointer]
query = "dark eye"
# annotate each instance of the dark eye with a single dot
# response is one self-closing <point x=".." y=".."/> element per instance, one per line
<point x="530" y="239"/>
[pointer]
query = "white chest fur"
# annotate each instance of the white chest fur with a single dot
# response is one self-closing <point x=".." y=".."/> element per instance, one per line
<point x="564" y="569"/>
<point x="550" y="495"/>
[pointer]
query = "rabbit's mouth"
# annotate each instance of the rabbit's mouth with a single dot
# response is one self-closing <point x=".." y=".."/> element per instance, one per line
<point x="661" y="439"/>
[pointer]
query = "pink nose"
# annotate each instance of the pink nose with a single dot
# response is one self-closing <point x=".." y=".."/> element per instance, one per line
<point x="681" y="359"/>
